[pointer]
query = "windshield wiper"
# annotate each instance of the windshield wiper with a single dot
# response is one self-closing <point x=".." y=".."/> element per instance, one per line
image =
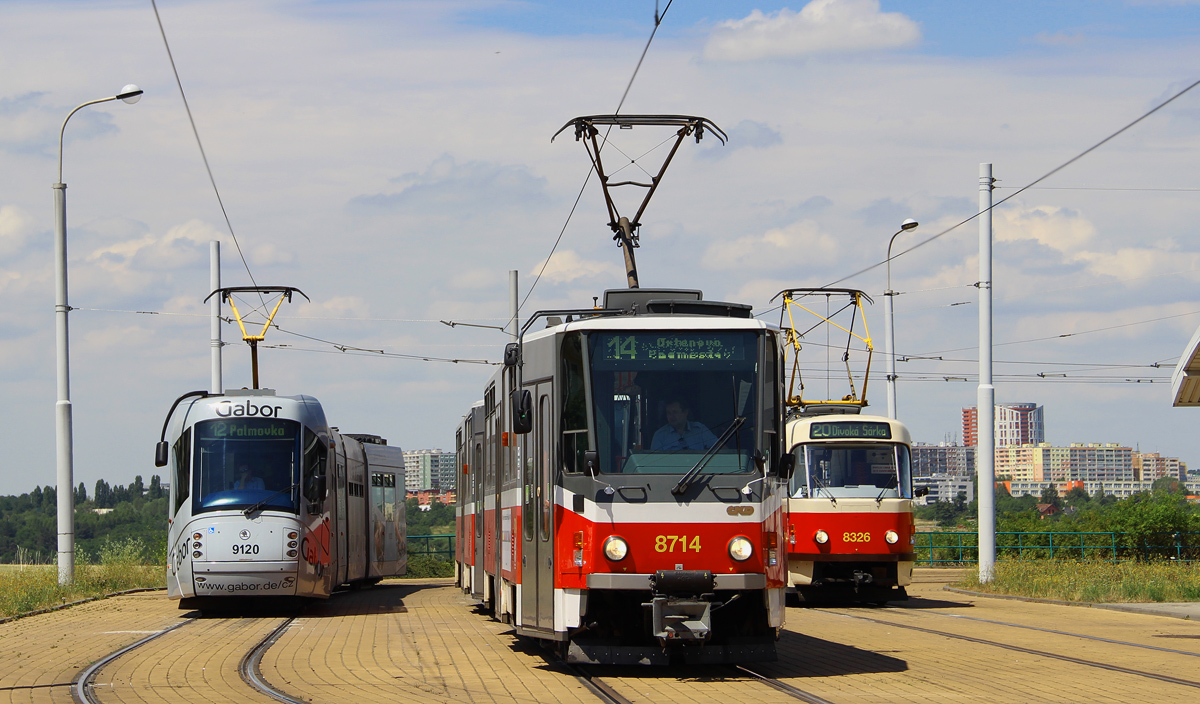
<point x="260" y="504"/>
<point x="821" y="485"/>
<point x="890" y="485"/>
<point x="686" y="480"/>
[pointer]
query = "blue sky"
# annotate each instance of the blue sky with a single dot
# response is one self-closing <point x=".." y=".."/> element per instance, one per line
<point x="393" y="160"/>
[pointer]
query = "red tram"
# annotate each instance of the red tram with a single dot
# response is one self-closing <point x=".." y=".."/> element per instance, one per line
<point x="624" y="483"/>
<point x="851" y="533"/>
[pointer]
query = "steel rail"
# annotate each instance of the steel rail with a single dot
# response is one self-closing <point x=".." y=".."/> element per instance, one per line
<point x="788" y="689"/>
<point x="1160" y="649"/>
<point x="248" y="668"/>
<point x="82" y="690"/>
<point x="595" y="685"/>
<point x="1020" y="649"/>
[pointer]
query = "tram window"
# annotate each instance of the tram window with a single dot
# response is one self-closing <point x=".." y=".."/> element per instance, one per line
<point x="240" y="462"/>
<point x="183" y="463"/>
<point x="876" y="470"/>
<point x="546" y="474"/>
<point x="315" y="456"/>
<point x="666" y="402"/>
<point x="574" y="412"/>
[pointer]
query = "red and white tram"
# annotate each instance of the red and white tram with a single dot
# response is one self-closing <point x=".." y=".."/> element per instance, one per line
<point x="851" y="533"/>
<point x="623" y="482"/>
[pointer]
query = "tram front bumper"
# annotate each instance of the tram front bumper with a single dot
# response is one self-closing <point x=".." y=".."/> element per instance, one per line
<point x="244" y="578"/>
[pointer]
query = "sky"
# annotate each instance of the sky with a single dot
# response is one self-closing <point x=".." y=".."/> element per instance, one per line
<point x="393" y="161"/>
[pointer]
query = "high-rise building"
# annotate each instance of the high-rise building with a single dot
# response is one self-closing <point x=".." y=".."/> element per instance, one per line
<point x="1085" y="462"/>
<point x="1016" y="424"/>
<point x="1148" y="466"/>
<point x="955" y="460"/>
<point x="430" y="469"/>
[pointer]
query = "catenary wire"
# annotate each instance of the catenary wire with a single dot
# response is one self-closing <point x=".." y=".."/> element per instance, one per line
<point x="658" y="18"/>
<point x="199" y="144"/>
<point x="1024" y="188"/>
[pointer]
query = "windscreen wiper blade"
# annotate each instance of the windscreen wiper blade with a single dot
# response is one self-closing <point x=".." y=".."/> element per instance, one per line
<point x="686" y="480"/>
<point x="260" y="504"/>
<point x="892" y="483"/>
<point x="820" y="486"/>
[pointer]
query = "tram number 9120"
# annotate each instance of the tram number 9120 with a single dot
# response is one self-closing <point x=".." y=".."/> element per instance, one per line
<point x="668" y="543"/>
<point x="245" y="549"/>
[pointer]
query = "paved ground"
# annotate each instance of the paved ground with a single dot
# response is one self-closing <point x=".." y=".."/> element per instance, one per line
<point x="420" y="641"/>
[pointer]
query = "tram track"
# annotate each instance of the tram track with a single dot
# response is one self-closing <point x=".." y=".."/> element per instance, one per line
<point x="605" y="692"/>
<point x="83" y="687"/>
<point x="1030" y="651"/>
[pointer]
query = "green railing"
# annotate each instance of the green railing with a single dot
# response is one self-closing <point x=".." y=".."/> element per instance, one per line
<point x="441" y="546"/>
<point x="960" y="547"/>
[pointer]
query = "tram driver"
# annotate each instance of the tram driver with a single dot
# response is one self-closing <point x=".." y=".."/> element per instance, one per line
<point x="246" y="479"/>
<point x="680" y="433"/>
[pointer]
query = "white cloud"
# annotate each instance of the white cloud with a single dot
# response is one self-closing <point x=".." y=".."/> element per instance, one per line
<point x="1059" y="228"/>
<point x="821" y="27"/>
<point x="183" y="246"/>
<point x="566" y="266"/>
<point x="800" y="245"/>
<point x="15" y="228"/>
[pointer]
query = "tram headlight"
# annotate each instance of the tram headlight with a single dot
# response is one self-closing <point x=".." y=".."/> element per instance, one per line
<point x="615" y="549"/>
<point x="291" y="543"/>
<point x="291" y="553"/>
<point x="740" y="548"/>
<point x="891" y="536"/>
<point x="197" y="545"/>
<point x="292" y="535"/>
<point x="821" y="537"/>
<point x="196" y="536"/>
<point x="197" y="554"/>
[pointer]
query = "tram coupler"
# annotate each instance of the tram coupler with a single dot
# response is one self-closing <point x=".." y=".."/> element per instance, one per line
<point x="681" y="605"/>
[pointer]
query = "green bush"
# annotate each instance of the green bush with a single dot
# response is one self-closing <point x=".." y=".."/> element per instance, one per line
<point x="420" y="566"/>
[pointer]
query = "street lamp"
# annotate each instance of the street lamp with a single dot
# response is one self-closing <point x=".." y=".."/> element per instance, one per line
<point x="890" y="352"/>
<point x="62" y="411"/>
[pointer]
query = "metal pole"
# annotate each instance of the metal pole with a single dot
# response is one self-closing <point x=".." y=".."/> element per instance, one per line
<point x="513" y="305"/>
<point x="985" y="450"/>
<point x="214" y="283"/>
<point x="63" y="430"/>
<point x="889" y="350"/>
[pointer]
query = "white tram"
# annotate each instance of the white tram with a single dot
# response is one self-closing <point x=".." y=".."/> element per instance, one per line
<point x="267" y="500"/>
<point x="623" y="486"/>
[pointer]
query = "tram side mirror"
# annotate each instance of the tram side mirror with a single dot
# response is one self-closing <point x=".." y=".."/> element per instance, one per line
<point x="160" y="454"/>
<point x="787" y="465"/>
<point x="512" y="354"/>
<point x="591" y="461"/>
<point x="522" y="410"/>
<point x="920" y="491"/>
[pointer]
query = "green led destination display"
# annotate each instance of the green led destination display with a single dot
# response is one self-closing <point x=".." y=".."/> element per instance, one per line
<point x="658" y="347"/>
<point x="850" y="431"/>
<point x="249" y="429"/>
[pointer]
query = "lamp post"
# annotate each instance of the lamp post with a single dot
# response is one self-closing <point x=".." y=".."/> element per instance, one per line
<point x="62" y="411"/>
<point x="890" y="351"/>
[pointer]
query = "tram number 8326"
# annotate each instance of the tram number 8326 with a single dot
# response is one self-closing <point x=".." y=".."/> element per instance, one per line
<point x="852" y="537"/>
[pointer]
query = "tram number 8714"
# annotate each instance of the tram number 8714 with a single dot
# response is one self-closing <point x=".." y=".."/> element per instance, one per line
<point x="245" y="549"/>
<point x="668" y="543"/>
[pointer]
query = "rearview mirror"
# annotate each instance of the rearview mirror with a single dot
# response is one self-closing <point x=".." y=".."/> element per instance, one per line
<point x="787" y="465"/>
<point x="920" y="491"/>
<point x="512" y="354"/>
<point x="160" y="454"/>
<point x="522" y="411"/>
<point x="591" y="461"/>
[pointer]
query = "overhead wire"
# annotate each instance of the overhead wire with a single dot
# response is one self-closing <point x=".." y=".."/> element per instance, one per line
<point x="1024" y="188"/>
<point x="200" y="144"/>
<point x="658" y="18"/>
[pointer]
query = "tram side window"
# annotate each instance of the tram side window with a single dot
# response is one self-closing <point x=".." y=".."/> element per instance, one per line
<point x="315" y="455"/>
<point x="183" y="462"/>
<point x="574" y="412"/>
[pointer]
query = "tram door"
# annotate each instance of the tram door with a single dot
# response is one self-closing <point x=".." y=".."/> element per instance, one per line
<point x="342" y="561"/>
<point x="478" y="576"/>
<point x="537" y="509"/>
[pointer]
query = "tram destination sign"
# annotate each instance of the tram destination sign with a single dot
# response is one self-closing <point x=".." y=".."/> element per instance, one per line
<point x="850" y="431"/>
<point x="656" y="346"/>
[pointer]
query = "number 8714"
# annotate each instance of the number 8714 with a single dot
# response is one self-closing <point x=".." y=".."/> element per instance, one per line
<point x="669" y="543"/>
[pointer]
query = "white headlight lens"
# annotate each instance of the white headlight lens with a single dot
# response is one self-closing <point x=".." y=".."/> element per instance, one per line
<point x="740" y="549"/>
<point x="891" y="536"/>
<point x="821" y="537"/>
<point x="615" y="548"/>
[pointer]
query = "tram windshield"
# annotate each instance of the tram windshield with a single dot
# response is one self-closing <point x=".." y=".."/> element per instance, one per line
<point x="242" y="461"/>
<point x="868" y="470"/>
<point x="668" y="402"/>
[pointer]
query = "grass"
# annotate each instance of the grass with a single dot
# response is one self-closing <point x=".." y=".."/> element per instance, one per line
<point x="1096" y="582"/>
<point x="120" y="565"/>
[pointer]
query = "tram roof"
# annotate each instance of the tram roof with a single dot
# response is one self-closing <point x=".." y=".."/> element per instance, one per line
<point x="1185" y="382"/>
<point x="654" y="322"/>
